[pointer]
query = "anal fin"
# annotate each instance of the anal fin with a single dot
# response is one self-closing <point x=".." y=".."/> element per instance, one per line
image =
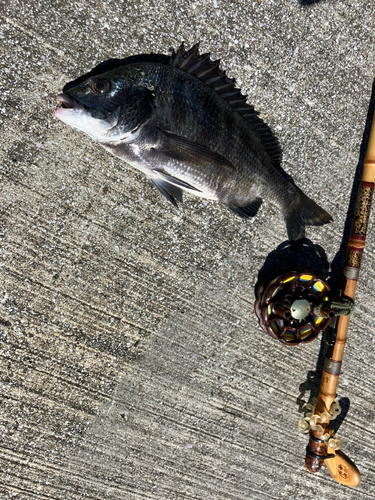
<point x="247" y="211"/>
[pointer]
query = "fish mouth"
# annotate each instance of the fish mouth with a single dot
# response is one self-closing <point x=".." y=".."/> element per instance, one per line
<point x="71" y="109"/>
<point x="68" y="102"/>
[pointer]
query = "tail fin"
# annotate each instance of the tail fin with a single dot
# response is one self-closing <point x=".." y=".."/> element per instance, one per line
<point x="303" y="212"/>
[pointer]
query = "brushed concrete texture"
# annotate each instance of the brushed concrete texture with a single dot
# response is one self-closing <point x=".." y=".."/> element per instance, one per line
<point x="132" y="365"/>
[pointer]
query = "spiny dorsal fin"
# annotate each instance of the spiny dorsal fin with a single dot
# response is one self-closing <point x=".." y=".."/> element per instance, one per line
<point x="209" y="72"/>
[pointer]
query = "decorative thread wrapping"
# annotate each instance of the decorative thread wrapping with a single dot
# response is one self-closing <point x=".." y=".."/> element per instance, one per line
<point x="362" y="212"/>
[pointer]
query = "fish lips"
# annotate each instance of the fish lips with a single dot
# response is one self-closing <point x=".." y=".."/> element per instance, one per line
<point x="68" y="103"/>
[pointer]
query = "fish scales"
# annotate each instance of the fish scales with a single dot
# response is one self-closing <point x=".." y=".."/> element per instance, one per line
<point x="189" y="108"/>
<point x="188" y="128"/>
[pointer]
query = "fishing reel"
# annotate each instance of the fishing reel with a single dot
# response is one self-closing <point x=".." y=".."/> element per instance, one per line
<point x="294" y="307"/>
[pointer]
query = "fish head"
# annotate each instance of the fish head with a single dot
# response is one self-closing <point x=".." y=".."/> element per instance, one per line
<point x="110" y="107"/>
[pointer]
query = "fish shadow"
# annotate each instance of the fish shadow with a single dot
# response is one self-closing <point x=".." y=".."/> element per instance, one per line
<point x="292" y="254"/>
<point x="308" y="2"/>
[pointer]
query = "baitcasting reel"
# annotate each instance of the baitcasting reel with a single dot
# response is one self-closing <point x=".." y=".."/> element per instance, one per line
<point x="294" y="307"/>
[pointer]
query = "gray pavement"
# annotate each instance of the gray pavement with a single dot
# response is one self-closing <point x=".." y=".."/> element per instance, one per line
<point x="132" y="366"/>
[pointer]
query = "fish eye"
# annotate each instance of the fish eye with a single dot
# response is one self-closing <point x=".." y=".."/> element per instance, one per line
<point x="101" y="86"/>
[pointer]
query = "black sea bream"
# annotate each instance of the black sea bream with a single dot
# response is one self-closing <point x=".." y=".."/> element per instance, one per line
<point x="186" y="126"/>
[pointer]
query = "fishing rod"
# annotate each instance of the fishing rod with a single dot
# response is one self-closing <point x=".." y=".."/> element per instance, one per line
<point x="296" y="306"/>
<point x="320" y="449"/>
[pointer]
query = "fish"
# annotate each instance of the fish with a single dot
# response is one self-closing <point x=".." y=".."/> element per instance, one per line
<point x="188" y="128"/>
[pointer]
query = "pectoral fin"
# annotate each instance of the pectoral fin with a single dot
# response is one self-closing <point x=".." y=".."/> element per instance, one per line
<point x="189" y="152"/>
<point x="176" y="182"/>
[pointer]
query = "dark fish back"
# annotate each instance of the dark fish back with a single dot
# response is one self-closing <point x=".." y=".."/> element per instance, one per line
<point x="209" y="72"/>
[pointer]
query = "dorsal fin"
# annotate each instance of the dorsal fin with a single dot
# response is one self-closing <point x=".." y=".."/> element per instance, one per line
<point x="209" y="72"/>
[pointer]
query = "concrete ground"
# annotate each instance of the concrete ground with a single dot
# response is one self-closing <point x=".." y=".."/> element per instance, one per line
<point x="132" y="364"/>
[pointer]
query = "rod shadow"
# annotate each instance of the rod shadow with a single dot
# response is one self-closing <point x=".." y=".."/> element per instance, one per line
<point x="305" y="254"/>
<point x="312" y="382"/>
<point x="339" y="259"/>
<point x="308" y="255"/>
<point x="311" y="385"/>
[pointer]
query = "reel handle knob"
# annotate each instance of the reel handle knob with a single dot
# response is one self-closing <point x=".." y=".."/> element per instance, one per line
<point x="343" y="470"/>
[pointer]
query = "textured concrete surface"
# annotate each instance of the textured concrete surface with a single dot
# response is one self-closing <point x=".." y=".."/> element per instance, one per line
<point x="132" y="366"/>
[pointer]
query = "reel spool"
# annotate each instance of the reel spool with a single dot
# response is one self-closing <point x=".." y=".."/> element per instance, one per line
<point x="294" y="307"/>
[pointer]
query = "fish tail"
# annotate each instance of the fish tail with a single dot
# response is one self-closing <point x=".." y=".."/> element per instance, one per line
<point x="301" y="211"/>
